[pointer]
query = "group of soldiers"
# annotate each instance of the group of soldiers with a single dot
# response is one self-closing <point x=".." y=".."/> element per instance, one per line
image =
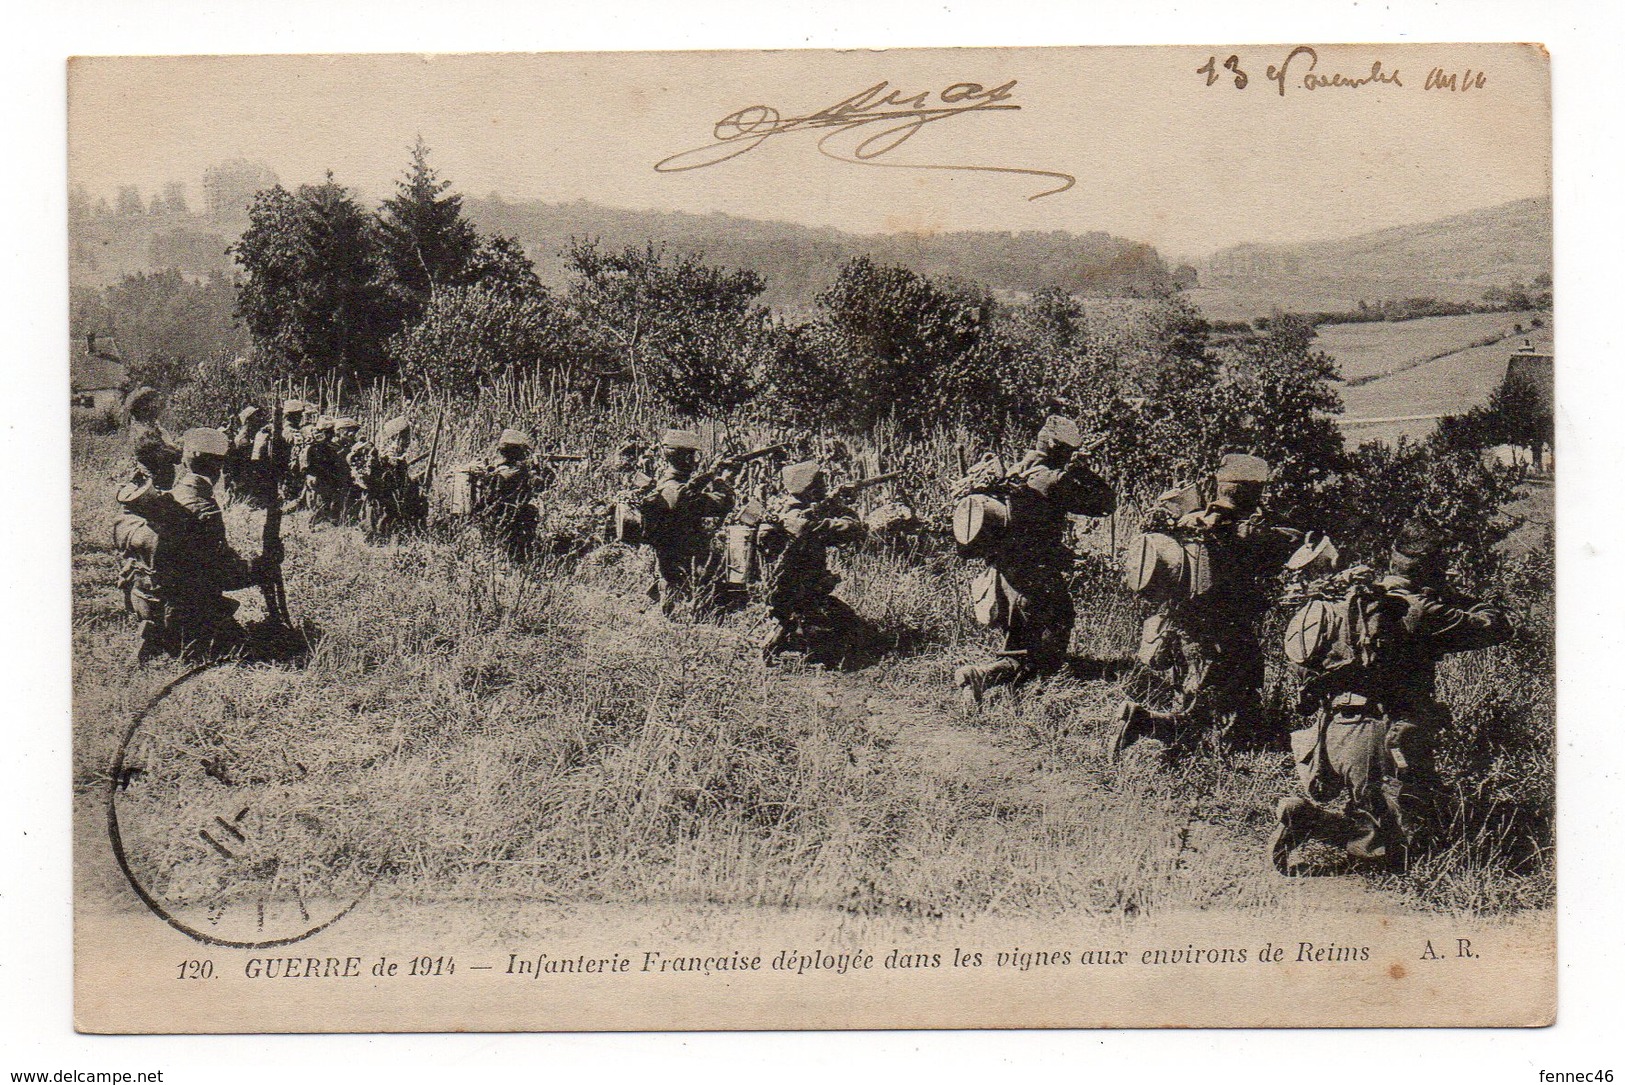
<point x="1368" y="644"/>
<point x="1212" y="563"/>
<point x="177" y="565"/>
<point x="322" y="463"/>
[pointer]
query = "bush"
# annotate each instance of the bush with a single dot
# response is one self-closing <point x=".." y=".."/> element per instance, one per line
<point x="472" y="336"/>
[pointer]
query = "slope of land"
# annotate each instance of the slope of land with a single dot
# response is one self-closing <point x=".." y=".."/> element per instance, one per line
<point x="1452" y="259"/>
<point x="549" y="735"/>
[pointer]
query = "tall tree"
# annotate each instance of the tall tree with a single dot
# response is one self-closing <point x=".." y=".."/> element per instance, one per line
<point x="312" y="296"/>
<point x="424" y="241"/>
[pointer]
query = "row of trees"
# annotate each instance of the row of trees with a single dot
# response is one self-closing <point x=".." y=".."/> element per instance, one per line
<point x="128" y="203"/>
<point x="416" y="294"/>
<point x="1514" y="298"/>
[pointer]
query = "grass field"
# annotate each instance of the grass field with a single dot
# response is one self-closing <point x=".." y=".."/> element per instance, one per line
<point x="479" y="731"/>
<point x="1435" y="365"/>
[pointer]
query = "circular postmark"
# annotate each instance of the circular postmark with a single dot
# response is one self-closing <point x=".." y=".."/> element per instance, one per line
<point x="228" y="827"/>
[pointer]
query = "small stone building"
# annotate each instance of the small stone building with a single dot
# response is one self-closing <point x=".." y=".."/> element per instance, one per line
<point x="97" y="379"/>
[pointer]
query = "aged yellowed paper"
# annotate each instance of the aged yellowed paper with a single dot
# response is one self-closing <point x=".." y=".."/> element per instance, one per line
<point x="807" y="539"/>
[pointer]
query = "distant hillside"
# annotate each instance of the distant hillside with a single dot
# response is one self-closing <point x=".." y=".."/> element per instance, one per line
<point x="1452" y="259"/>
<point x="799" y="261"/>
<point x="103" y="249"/>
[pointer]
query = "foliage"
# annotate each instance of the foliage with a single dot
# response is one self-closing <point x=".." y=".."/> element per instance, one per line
<point x="1516" y="413"/>
<point x="164" y="324"/>
<point x="1456" y="490"/>
<point x="470" y="336"/>
<point x="312" y="295"/>
<point x="221" y="384"/>
<point x="897" y="346"/>
<point x="689" y="331"/>
<point x="424" y="242"/>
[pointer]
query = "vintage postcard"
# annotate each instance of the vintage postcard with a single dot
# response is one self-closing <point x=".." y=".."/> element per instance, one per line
<point x="1035" y="537"/>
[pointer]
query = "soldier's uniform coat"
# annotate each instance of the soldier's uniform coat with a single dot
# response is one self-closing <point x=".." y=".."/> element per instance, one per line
<point x="1217" y="637"/>
<point x="177" y="568"/>
<point x="1024" y="591"/>
<point x="507" y="511"/>
<point x="328" y="486"/>
<point x="1372" y="728"/>
<point x="679" y="524"/>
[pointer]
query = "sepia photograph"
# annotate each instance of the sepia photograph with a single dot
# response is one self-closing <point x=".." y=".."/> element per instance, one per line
<point x="813" y="539"/>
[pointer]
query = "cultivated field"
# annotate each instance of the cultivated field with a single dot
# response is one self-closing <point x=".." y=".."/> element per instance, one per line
<point x="1435" y="365"/>
<point x="476" y="731"/>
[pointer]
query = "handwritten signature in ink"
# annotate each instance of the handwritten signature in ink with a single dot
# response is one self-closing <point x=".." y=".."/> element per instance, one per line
<point x="885" y="118"/>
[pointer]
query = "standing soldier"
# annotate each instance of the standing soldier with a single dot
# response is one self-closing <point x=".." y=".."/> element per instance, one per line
<point x="244" y="473"/>
<point x="1024" y="590"/>
<point x="155" y="452"/>
<point x="393" y="500"/>
<point x="680" y="511"/>
<point x="1212" y="634"/>
<point x="506" y="488"/>
<point x="805" y="523"/>
<point x="1373" y="715"/>
<point x="177" y="562"/>
<point x="296" y="434"/>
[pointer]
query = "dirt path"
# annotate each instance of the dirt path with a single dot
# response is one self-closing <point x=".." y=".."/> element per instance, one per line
<point x="1013" y="775"/>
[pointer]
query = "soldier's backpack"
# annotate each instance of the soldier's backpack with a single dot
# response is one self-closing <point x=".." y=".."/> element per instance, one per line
<point x="1332" y="631"/>
<point x="1162" y="568"/>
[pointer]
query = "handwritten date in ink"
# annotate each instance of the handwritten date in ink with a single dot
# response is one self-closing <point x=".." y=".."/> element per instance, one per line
<point x="1301" y="69"/>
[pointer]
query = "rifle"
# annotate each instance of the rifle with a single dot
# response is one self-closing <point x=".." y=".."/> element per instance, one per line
<point x="559" y="457"/>
<point x="1090" y="444"/>
<point x="848" y="490"/>
<point x="270" y="565"/>
<point x="434" y="453"/>
<point x="730" y="463"/>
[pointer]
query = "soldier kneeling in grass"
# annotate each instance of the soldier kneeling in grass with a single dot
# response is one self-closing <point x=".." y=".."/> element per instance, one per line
<point x="1371" y="646"/>
<point x="177" y="563"/>
<point x="1204" y="638"/>
<point x="393" y="501"/>
<point x="801" y="527"/>
<point x="1024" y="592"/>
<point x="681" y="506"/>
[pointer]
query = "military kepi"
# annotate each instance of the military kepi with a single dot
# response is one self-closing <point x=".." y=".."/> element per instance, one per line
<point x="799" y="476"/>
<point x="512" y="438"/>
<point x="203" y="442"/>
<point x="1239" y="468"/>
<point x="681" y="438"/>
<point x="1061" y="430"/>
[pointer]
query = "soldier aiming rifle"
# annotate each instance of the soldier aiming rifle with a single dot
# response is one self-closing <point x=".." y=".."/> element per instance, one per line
<point x="503" y="492"/>
<point x="1364" y="754"/>
<point x="679" y="509"/>
<point x="1222" y="556"/>
<point x="392" y="500"/>
<point x="1016" y="521"/>
<point x="796" y="538"/>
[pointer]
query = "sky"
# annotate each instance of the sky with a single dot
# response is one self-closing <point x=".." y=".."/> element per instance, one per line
<point x="1159" y="153"/>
